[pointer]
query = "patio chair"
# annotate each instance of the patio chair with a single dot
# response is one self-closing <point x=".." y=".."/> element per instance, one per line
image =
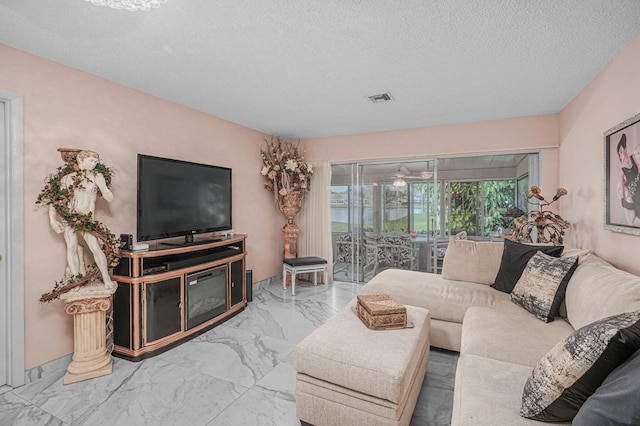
<point x="395" y="251"/>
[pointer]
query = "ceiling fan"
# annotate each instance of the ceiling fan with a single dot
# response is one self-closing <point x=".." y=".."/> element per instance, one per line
<point x="403" y="174"/>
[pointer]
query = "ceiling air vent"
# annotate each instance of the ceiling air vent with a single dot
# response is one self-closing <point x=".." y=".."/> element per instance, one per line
<point x="384" y="97"/>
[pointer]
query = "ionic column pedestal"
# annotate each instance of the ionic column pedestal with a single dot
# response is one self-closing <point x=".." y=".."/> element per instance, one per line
<point x="90" y="356"/>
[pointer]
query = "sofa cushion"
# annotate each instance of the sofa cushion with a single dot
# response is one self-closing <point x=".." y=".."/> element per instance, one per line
<point x="571" y="371"/>
<point x="541" y="288"/>
<point x="487" y="392"/>
<point x="574" y="251"/>
<point x="509" y="333"/>
<point x="472" y="261"/>
<point x="598" y="290"/>
<point x="445" y="334"/>
<point x="615" y="402"/>
<point x="570" y="252"/>
<point x="446" y="300"/>
<point x="515" y="257"/>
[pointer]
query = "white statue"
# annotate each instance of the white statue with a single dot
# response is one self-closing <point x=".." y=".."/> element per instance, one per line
<point x="86" y="182"/>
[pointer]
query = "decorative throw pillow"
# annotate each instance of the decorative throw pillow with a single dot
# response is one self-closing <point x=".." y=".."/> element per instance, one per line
<point x="615" y="402"/>
<point x="515" y="257"/>
<point x="540" y="290"/>
<point x="574" y="368"/>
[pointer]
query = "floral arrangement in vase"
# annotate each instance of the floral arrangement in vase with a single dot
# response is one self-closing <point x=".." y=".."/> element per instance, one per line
<point x="549" y="226"/>
<point x="284" y="168"/>
<point x="288" y="176"/>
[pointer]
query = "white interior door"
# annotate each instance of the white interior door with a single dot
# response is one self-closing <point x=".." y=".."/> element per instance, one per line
<point x="11" y="240"/>
<point x="3" y="255"/>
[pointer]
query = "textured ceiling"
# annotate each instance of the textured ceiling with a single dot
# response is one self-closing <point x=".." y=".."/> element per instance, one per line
<point x="301" y="69"/>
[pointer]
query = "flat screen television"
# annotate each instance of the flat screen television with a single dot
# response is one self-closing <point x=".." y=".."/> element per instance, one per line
<point x="179" y="198"/>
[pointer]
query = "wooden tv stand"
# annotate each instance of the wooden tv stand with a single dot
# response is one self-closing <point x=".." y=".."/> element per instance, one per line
<point x="168" y="296"/>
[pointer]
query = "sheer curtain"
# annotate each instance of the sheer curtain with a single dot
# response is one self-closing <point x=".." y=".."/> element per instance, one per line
<point x="314" y="220"/>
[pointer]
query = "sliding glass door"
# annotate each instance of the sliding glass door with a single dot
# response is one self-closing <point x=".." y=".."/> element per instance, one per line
<point x="401" y="214"/>
<point x="382" y="213"/>
<point x="343" y="223"/>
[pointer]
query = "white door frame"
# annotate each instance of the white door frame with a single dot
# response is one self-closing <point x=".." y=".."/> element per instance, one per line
<point x="12" y="318"/>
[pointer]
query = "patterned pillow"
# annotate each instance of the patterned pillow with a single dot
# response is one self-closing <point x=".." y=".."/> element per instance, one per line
<point x="540" y="290"/>
<point x="574" y="368"/>
<point x="515" y="257"/>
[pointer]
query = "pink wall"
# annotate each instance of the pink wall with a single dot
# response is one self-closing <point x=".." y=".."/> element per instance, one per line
<point x="64" y="107"/>
<point x="611" y="98"/>
<point x="529" y="134"/>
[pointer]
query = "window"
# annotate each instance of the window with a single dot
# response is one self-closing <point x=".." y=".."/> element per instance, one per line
<point x="339" y="208"/>
<point x="425" y="202"/>
<point x="522" y="188"/>
<point x="478" y="207"/>
<point x="462" y="207"/>
<point x="499" y="197"/>
<point x="395" y="209"/>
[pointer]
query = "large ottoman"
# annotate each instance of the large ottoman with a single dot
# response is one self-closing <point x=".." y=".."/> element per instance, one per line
<point x="348" y="374"/>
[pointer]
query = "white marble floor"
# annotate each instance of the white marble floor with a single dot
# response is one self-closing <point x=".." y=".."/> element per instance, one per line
<point x="240" y="373"/>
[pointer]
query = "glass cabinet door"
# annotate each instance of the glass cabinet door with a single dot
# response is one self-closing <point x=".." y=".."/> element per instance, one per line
<point x="162" y="309"/>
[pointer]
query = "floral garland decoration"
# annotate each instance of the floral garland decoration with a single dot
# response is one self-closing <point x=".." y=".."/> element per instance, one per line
<point x="54" y="194"/>
<point x="284" y="168"/>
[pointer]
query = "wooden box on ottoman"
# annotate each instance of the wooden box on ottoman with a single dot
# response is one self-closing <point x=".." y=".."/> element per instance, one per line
<point x="348" y="374"/>
<point x="381" y="311"/>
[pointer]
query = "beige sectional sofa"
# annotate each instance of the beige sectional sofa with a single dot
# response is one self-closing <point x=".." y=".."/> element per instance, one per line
<point x="499" y="342"/>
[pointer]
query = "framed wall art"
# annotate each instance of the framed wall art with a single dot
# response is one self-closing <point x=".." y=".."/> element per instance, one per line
<point x="622" y="186"/>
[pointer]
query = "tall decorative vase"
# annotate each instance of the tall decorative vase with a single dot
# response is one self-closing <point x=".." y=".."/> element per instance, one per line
<point x="290" y="205"/>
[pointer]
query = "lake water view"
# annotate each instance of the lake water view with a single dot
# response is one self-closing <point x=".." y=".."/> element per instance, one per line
<point x="341" y="214"/>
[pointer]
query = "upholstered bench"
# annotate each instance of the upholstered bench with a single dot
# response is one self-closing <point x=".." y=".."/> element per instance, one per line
<point x="299" y="265"/>
<point x="348" y="374"/>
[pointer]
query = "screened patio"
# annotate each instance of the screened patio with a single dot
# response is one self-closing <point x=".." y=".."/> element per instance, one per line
<point x="401" y="213"/>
